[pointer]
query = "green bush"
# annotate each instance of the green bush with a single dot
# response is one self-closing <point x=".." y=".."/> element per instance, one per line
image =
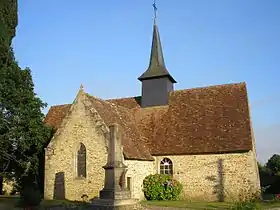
<point x="161" y="187"/>
<point x="30" y="197"/>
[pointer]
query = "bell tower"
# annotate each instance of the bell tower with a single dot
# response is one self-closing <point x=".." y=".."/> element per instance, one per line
<point x="156" y="80"/>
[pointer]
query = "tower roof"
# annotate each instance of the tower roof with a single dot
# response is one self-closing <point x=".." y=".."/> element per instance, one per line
<point x="157" y="66"/>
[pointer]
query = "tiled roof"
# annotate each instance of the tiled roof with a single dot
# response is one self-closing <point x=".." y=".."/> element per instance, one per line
<point x="129" y="103"/>
<point x="132" y="141"/>
<point x="56" y="114"/>
<point x="205" y="120"/>
<point x="211" y="119"/>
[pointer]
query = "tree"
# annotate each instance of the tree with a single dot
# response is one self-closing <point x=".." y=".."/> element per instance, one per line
<point x="8" y="22"/>
<point x="273" y="164"/>
<point x="270" y="175"/>
<point x="23" y="134"/>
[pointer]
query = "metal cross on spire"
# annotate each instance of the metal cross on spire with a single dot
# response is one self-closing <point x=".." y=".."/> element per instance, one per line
<point x="155" y="8"/>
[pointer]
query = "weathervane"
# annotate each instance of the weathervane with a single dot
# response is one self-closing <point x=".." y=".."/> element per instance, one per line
<point x="155" y="8"/>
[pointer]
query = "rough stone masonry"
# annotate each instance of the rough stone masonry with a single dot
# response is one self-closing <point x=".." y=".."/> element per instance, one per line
<point x="115" y="194"/>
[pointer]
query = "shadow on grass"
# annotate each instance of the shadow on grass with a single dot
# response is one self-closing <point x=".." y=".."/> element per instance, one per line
<point x="11" y="202"/>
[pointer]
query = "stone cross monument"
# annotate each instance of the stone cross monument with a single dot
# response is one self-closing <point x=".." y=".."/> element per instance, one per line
<point x="115" y="195"/>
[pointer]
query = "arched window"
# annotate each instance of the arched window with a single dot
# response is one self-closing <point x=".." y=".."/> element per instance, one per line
<point x="81" y="161"/>
<point x="166" y="166"/>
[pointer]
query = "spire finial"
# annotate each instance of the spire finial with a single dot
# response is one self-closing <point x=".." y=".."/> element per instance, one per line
<point x="155" y="9"/>
<point x="156" y="66"/>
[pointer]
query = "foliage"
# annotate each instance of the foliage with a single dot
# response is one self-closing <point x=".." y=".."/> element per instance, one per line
<point x="161" y="187"/>
<point x="8" y="20"/>
<point x="22" y="132"/>
<point x="270" y="176"/>
<point x="30" y="196"/>
<point x="262" y="168"/>
<point x="273" y="164"/>
<point x="15" y="202"/>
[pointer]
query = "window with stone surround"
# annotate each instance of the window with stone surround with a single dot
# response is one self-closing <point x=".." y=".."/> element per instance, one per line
<point x="81" y="161"/>
<point x="166" y="166"/>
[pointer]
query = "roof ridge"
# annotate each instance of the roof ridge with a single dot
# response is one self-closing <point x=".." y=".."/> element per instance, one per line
<point x="97" y="98"/>
<point x="122" y="98"/>
<point x="212" y="119"/>
<point x="132" y="97"/>
<point x="107" y="102"/>
<point x="210" y="86"/>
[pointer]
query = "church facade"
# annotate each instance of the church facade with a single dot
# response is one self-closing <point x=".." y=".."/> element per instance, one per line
<point x="203" y="137"/>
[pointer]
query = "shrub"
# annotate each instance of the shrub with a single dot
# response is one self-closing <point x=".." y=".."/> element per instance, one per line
<point x="30" y="197"/>
<point x="161" y="187"/>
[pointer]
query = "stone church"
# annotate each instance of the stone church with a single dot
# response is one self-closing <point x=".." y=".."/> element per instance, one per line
<point x="202" y="136"/>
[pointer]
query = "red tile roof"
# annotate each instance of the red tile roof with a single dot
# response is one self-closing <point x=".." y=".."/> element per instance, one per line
<point x="56" y="114"/>
<point x="133" y="143"/>
<point x="211" y="119"/>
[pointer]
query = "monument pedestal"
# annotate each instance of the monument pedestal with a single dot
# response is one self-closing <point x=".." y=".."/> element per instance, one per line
<point x="114" y="195"/>
<point x="116" y="204"/>
<point x="109" y="194"/>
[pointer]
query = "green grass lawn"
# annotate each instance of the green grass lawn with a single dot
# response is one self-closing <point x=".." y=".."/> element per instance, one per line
<point x="205" y="205"/>
<point x="10" y="202"/>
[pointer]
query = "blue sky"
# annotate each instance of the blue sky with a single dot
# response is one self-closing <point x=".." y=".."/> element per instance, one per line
<point x="105" y="46"/>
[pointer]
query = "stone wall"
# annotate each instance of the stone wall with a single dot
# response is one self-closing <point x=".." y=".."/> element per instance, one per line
<point x="138" y="170"/>
<point x="204" y="177"/>
<point x="215" y="177"/>
<point x="84" y="126"/>
<point x="60" y="159"/>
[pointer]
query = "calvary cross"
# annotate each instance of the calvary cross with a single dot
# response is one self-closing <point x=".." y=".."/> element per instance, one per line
<point x="155" y="8"/>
